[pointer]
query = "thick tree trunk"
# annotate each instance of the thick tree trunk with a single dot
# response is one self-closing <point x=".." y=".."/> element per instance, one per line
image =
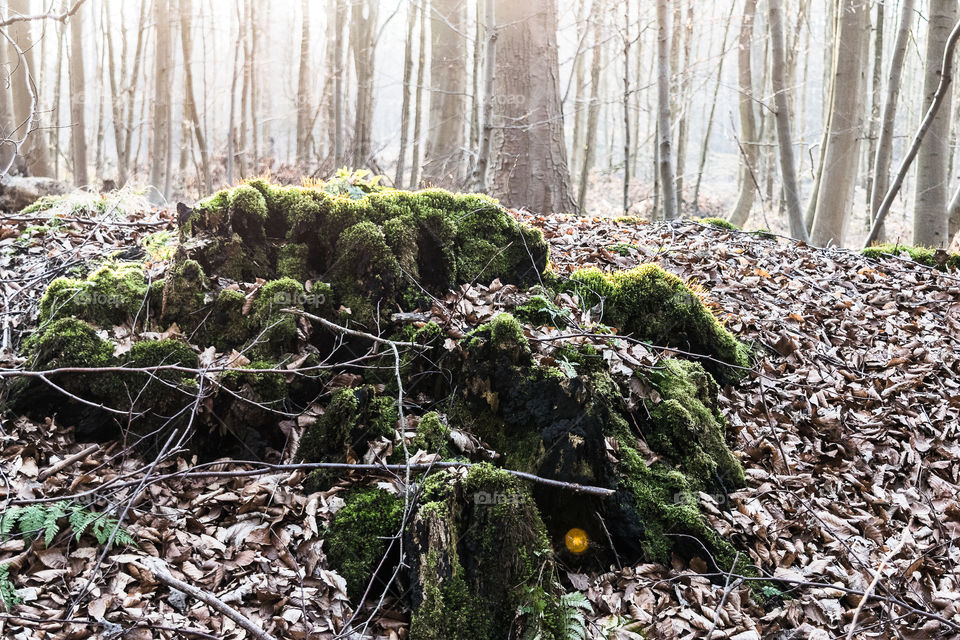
<point x="748" y="121"/>
<point x="443" y="161"/>
<point x="930" y="219"/>
<point x="161" y="99"/>
<point x="531" y="169"/>
<point x="26" y="111"/>
<point x="884" y="155"/>
<point x="363" y="26"/>
<point x="842" y="154"/>
<point x="664" y="147"/>
<point x="788" y="172"/>
<point x="78" y="89"/>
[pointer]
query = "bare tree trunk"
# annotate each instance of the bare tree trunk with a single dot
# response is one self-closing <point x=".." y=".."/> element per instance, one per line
<point x="874" y="103"/>
<point x="626" y="107"/>
<point x="667" y="177"/>
<point x="954" y="213"/>
<point x="788" y="171"/>
<point x="340" y="19"/>
<point x="163" y="62"/>
<point x="748" y="121"/>
<point x="884" y="154"/>
<point x="231" y="128"/>
<point x="930" y="219"/>
<point x="531" y="167"/>
<point x="189" y="101"/>
<point x="78" y="88"/>
<point x="116" y="103"/>
<point x="842" y="154"/>
<point x="303" y="89"/>
<point x="580" y="86"/>
<point x="405" y="109"/>
<point x="417" y="110"/>
<point x="713" y="108"/>
<point x="683" y="99"/>
<point x="443" y="161"/>
<point x="6" y="110"/>
<point x="363" y="26"/>
<point x="473" y="137"/>
<point x="26" y="116"/>
<point x="255" y="150"/>
<point x="489" y="82"/>
<point x="593" y="111"/>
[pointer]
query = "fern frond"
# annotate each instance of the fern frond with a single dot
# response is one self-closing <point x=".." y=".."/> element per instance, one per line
<point x="8" y="592"/>
<point x="51" y="526"/>
<point x="31" y="519"/>
<point x="8" y="520"/>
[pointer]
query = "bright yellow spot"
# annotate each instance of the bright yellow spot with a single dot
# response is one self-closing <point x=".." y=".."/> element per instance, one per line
<point x="576" y="540"/>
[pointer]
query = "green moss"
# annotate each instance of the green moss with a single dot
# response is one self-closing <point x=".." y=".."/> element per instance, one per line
<point x="226" y="327"/>
<point x="276" y="332"/>
<point x="938" y="259"/>
<point x="183" y="294"/>
<point x="359" y="535"/>
<point x="540" y="310"/>
<point x="156" y="353"/>
<point x="268" y="387"/>
<point x="109" y="296"/>
<point x="720" y="223"/>
<point x="631" y="220"/>
<point x="432" y="435"/>
<point x="351" y="419"/>
<point x="622" y="248"/>
<point x="292" y="262"/>
<point x="68" y="342"/>
<point x="656" y="306"/>
<point x="365" y="272"/>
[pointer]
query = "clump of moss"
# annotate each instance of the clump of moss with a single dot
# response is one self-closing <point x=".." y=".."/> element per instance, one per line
<point x="720" y="223"/>
<point x="360" y="534"/>
<point x="225" y="326"/>
<point x="432" y="435"/>
<point x="269" y="387"/>
<point x="110" y="295"/>
<point x="183" y="294"/>
<point x="936" y="258"/>
<point x="68" y="342"/>
<point x="277" y="331"/>
<point x="540" y="310"/>
<point x="656" y="306"/>
<point x="622" y="248"/>
<point x="365" y="272"/>
<point x="292" y="261"/>
<point x="351" y="419"/>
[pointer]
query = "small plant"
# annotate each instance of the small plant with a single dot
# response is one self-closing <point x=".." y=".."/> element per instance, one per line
<point x="353" y="184"/>
<point x="45" y="520"/>
<point x="547" y="617"/>
<point x="160" y="246"/>
<point x="8" y="593"/>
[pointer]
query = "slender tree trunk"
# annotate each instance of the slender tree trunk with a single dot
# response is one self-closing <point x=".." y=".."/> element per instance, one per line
<point x="788" y="172"/>
<point x="683" y="99"/>
<point x="26" y="116"/>
<point x="363" y="26"/>
<point x="340" y="19"/>
<point x="303" y="89"/>
<point x="930" y="218"/>
<point x="473" y="137"/>
<point x="531" y="167"/>
<point x="405" y="109"/>
<point x="489" y="82"/>
<point x="954" y="213"/>
<point x="231" y="128"/>
<point x="748" y="121"/>
<point x="874" y="104"/>
<point x="580" y="87"/>
<point x="665" y="151"/>
<point x="626" y="107"/>
<point x="161" y="99"/>
<point x="418" y="102"/>
<point x="842" y="154"/>
<point x="443" y="161"/>
<point x="884" y="153"/>
<point x="255" y="150"/>
<point x="713" y="108"/>
<point x="593" y="111"/>
<point x="116" y="103"/>
<point x="189" y="101"/>
<point x="6" y="110"/>
<point x="78" y="91"/>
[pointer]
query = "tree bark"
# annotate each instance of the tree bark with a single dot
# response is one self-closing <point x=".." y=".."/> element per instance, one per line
<point x="788" y="172"/>
<point x="189" y="100"/>
<point x="443" y="161"/>
<point x="665" y="151"/>
<point x="884" y="155"/>
<point x="405" y="108"/>
<point x="78" y="93"/>
<point x="418" y="102"/>
<point x="593" y="110"/>
<point x="161" y="100"/>
<point x="26" y="116"/>
<point x="340" y="18"/>
<point x="683" y="98"/>
<point x="842" y="154"/>
<point x="303" y="88"/>
<point x="7" y="149"/>
<point x="748" y="121"/>
<point x="874" y="103"/>
<point x="489" y="81"/>
<point x="363" y="25"/>
<point x="531" y="169"/>
<point x="930" y="218"/>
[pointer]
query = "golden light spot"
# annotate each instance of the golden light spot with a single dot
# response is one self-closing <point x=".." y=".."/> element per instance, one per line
<point x="576" y="540"/>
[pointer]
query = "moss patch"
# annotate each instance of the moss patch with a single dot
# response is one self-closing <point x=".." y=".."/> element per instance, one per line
<point x="720" y="223"/>
<point x="110" y="295"/>
<point x="936" y="258"/>
<point x="349" y="421"/>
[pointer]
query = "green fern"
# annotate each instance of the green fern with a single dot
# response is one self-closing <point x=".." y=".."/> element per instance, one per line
<point x="574" y="606"/>
<point x="548" y="617"/>
<point x="44" y="520"/>
<point x="8" y="593"/>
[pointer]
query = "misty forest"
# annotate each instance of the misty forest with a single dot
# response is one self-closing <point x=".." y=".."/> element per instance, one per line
<point x="479" y="319"/>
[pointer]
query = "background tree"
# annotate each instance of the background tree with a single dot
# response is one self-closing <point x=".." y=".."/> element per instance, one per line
<point x="531" y="157"/>
<point x="444" y="158"/>
<point x="78" y="95"/>
<point x="36" y="159"/>
<point x="162" y="120"/>
<point x="664" y="147"/>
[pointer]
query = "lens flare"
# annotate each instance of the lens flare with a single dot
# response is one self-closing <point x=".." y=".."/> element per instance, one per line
<point x="576" y="540"/>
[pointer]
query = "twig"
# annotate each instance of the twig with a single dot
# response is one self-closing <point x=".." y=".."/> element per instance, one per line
<point x="59" y="17"/>
<point x="66" y="462"/>
<point x="159" y="569"/>
<point x="876" y="579"/>
<point x="350" y="332"/>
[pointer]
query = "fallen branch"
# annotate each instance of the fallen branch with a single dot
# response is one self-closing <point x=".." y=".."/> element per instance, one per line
<point x="350" y="332"/>
<point x="66" y="462"/>
<point x="159" y="569"/>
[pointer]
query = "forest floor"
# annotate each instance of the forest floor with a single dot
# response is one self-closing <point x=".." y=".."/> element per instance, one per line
<point x="849" y="429"/>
